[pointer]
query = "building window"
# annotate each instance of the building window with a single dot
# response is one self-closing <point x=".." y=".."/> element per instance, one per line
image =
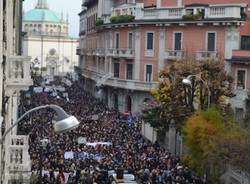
<point x="116" y="70"/>
<point x="148" y="73"/>
<point x="177" y="41"/>
<point x="117" y="40"/>
<point x="150" y="41"/>
<point x="130" y="40"/>
<point x="245" y="43"/>
<point x="241" y="79"/>
<point x="211" y="41"/>
<point x="129" y="72"/>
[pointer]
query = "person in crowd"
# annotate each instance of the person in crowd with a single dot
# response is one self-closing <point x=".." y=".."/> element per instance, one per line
<point x="128" y="151"/>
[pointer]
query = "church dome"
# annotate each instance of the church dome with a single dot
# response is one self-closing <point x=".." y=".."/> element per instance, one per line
<point x="41" y="15"/>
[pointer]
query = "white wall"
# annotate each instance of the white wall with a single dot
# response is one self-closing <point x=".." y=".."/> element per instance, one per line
<point x="65" y="47"/>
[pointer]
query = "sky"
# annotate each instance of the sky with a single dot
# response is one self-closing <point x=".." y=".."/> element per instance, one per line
<point x="72" y="7"/>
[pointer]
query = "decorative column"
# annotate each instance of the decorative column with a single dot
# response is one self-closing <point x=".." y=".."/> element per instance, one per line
<point x="137" y="54"/>
<point x="14" y="112"/>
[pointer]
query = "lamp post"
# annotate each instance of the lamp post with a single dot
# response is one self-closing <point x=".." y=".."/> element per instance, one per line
<point x="64" y="123"/>
<point x="188" y="82"/>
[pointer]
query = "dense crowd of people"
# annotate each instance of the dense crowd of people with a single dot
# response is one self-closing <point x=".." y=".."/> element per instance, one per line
<point x="128" y="152"/>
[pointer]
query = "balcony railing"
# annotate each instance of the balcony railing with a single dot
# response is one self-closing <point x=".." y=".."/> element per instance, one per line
<point x="210" y="12"/>
<point x="164" y="13"/>
<point x="18" y="72"/>
<point x="121" y="52"/>
<point x="207" y="55"/>
<point x="174" y="54"/>
<point x="17" y="157"/>
<point x="224" y="12"/>
<point x="120" y="83"/>
<point x="130" y="84"/>
<point x="99" y="51"/>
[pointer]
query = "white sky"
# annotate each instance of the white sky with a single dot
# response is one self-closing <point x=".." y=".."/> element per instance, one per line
<point x="72" y="7"/>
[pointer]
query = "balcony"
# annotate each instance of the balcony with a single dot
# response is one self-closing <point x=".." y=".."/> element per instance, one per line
<point x="125" y="8"/>
<point x="121" y="53"/>
<point x="99" y="51"/>
<point x="225" y="11"/>
<point x="17" y="158"/>
<point x="119" y="83"/>
<point x="130" y="84"/>
<point x="206" y="55"/>
<point x="18" y="74"/>
<point x="163" y="13"/>
<point x="174" y="54"/>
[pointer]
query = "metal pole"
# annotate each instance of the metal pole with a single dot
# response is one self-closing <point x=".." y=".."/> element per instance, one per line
<point x="60" y="113"/>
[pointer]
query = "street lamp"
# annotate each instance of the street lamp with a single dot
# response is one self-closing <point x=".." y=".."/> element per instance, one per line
<point x="64" y="123"/>
<point x="188" y="82"/>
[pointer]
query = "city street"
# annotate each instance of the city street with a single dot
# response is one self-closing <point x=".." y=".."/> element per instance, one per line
<point x="102" y="146"/>
<point x="124" y="91"/>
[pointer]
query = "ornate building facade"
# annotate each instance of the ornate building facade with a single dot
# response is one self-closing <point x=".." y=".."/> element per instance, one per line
<point x="126" y="57"/>
<point x="47" y="40"/>
<point x="125" y="43"/>
<point x="14" y="77"/>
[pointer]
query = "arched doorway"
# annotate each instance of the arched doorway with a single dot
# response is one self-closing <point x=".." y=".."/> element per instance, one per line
<point x="128" y="104"/>
<point x="52" y="68"/>
<point x="116" y="101"/>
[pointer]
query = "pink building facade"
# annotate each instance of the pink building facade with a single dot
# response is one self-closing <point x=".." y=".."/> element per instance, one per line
<point x="121" y="61"/>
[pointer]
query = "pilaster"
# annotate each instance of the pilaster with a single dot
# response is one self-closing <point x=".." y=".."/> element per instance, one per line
<point x="161" y="49"/>
<point x="9" y="27"/>
<point x="1" y="56"/>
<point x="232" y="36"/>
<point x="111" y="72"/>
<point x="137" y="54"/>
